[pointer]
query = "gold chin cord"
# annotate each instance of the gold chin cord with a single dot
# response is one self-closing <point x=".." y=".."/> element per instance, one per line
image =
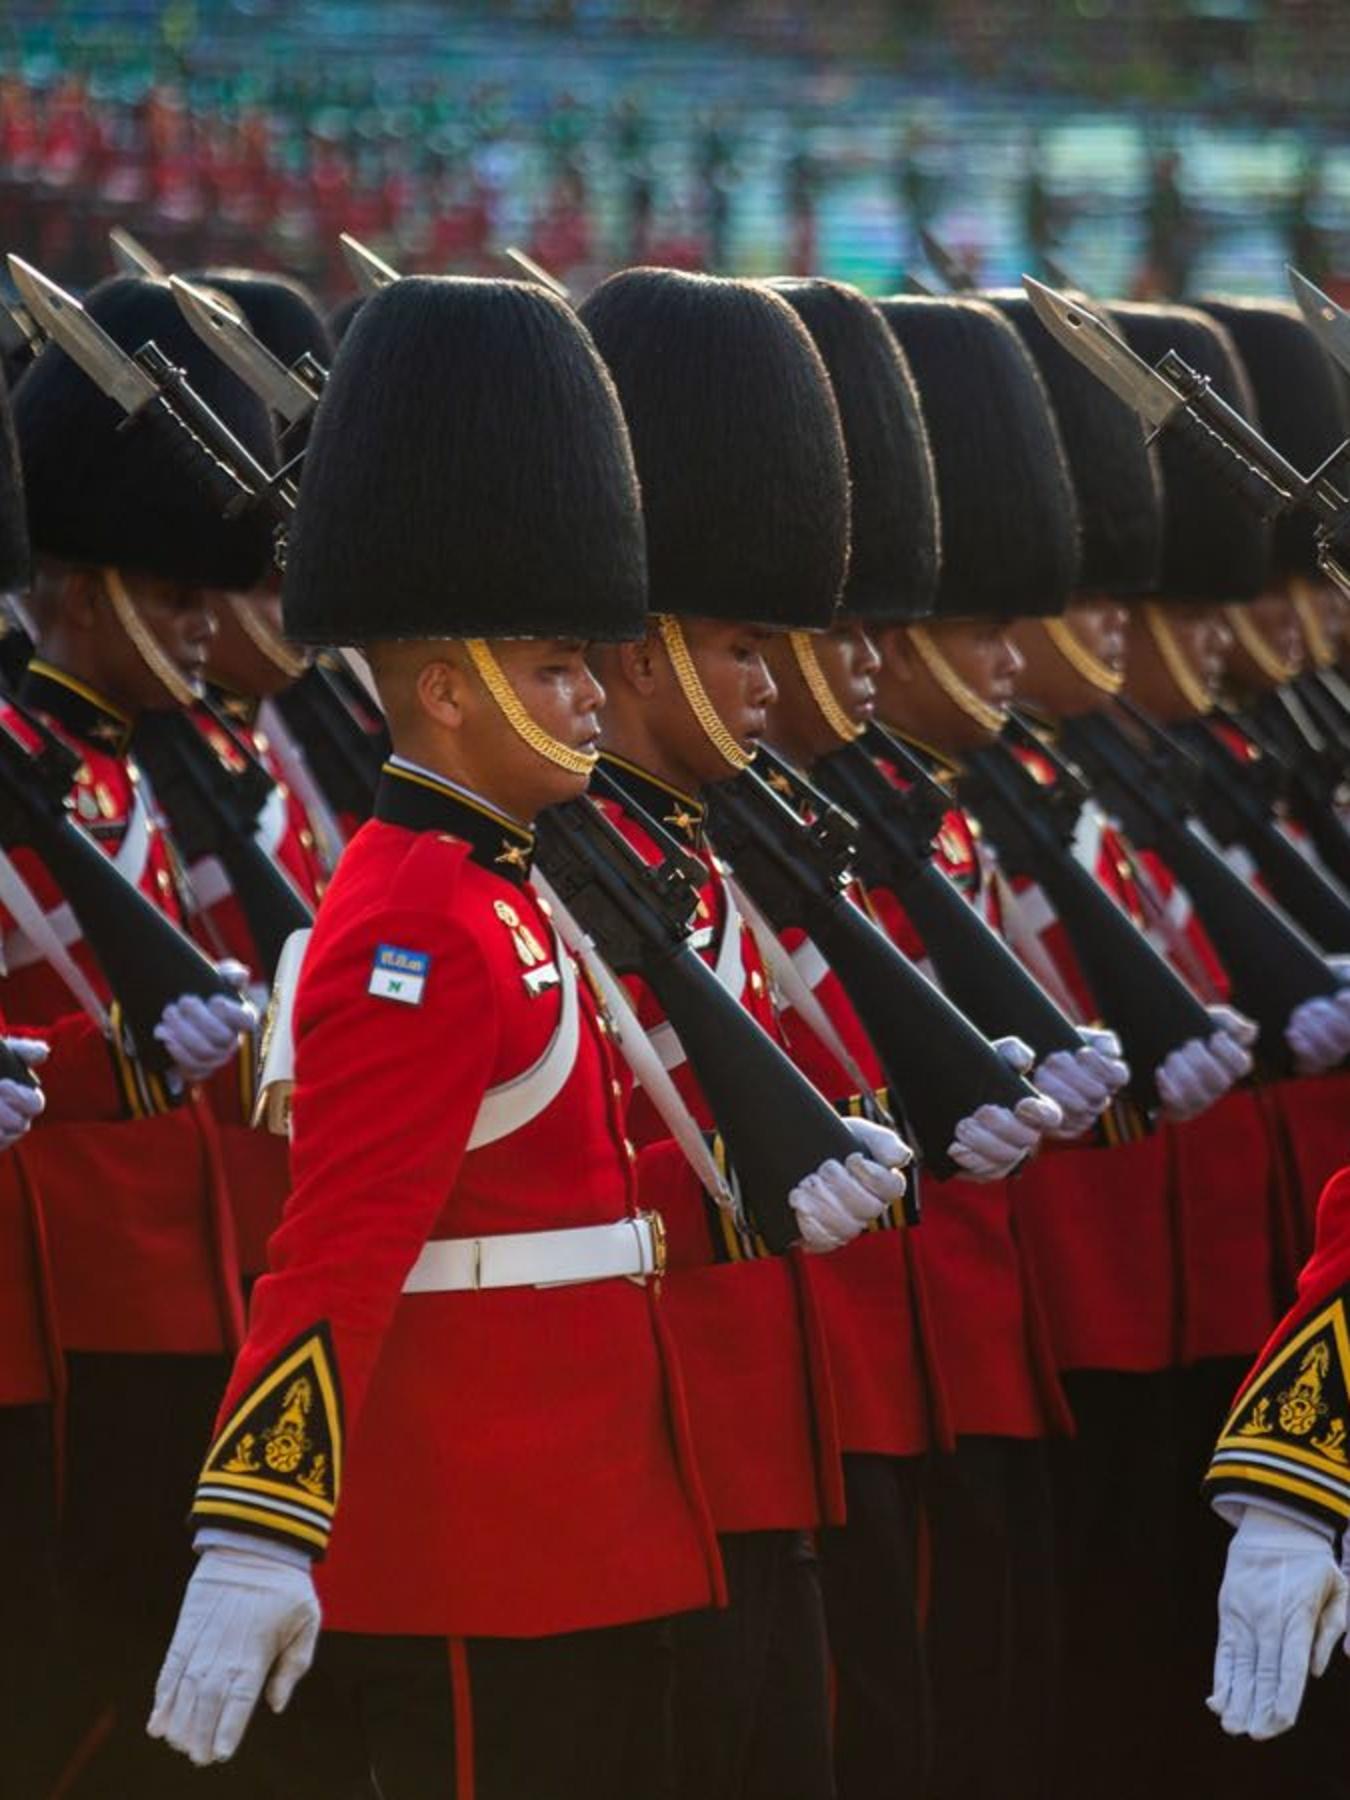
<point x="1273" y="667"/>
<point x="714" y="729"/>
<point x="1196" y="695"/>
<point x="1314" y="632"/>
<point x="167" y="673"/>
<point x="1080" y="659"/>
<point x="803" y="648"/>
<point x="267" y="642"/>
<point x="543" y="743"/>
<point x="989" y="718"/>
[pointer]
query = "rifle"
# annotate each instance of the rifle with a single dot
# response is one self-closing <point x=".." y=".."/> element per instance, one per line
<point x="1273" y="967"/>
<point x="344" y="756"/>
<point x="1312" y="770"/>
<point x="896" y="829"/>
<point x="775" y="1125"/>
<point x="146" y="960"/>
<point x="214" y="811"/>
<point x="1031" y="825"/>
<point x="939" y="1069"/>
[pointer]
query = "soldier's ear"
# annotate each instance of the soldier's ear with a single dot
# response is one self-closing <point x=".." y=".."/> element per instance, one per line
<point x="636" y="663"/>
<point x="81" y="599"/>
<point x="441" y="688"/>
<point x="895" y="650"/>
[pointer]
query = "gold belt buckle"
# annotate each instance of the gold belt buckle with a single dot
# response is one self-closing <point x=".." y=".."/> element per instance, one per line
<point x="657" y="1226"/>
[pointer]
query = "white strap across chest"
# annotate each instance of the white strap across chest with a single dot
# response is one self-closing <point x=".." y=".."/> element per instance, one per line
<point x="23" y="948"/>
<point x="295" y="767"/>
<point x="515" y="1103"/>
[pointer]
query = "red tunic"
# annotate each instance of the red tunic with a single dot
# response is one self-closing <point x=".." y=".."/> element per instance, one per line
<point x="257" y="1167"/>
<point x="139" y="1231"/>
<point x="752" y="1342"/>
<point x="992" y="1347"/>
<point x="512" y="1462"/>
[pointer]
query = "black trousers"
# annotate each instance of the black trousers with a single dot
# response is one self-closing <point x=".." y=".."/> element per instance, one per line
<point x="751" y="1704"/>
<point x="137" y="1429"/>
<point x="28" y="1592"/>
<point x="993" y="1638"/>
<point x="1141" y="1559"/>
<point x="870" y="1570"/>
<point x="582" y="1716"/>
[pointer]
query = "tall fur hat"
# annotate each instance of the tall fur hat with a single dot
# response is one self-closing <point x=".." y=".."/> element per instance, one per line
<point x="469" y="475"/>
<point x="100" y="494"/>
<point x="1115" y="474"/>
<point x="1009" y="517"/>
<point x="1300" y="402"/>
<point x="1214" y="546"/>
<point x="893" y="561"/>
<point x="343" y="315"/>
<point x="738" y="446"/>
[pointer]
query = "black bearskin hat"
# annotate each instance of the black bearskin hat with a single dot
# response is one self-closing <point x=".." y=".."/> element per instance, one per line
<point x="895" y="542"/>
<point x="103" y="495"/>
<point x="1009" y="518"/>
<point x="1300" y="403"/>
<point x="1115" y="474"/>
<point x="343" y="315"/>
<point x="469" y="475"/>
<point x="1214" y="546"/>
<point x="738" y="446"/>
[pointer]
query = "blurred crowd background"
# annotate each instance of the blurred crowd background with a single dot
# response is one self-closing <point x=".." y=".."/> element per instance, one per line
<point x="1143" y="146"/>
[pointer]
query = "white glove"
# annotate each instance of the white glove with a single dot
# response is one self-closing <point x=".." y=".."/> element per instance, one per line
<point x="839" y="1200"/>
<point x="1282" y="1611"/>
<point x="1199" y="1072"/>
<point x="20" y="1105"/>
<point x="991" y="1142"/>
<point x="1318" y="1032"/>
<point x="202" y="1035"/>
<point x="1083" y="1083"/>
<point x="248" y="1618"/>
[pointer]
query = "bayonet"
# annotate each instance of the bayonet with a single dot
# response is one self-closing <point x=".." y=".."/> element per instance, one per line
<point x="1329" y="323"/>
<point x="910" y="284"/>
<point x="370" y="272"/>
<point x="958" y="275"/>
<point x="65" y="322"/>
<point x="131" y="256"/>
<point x="1109" y="357"/>
<point x="534" y="271"/>
<point x="222" y="330"/>
<point x="1060" y="276"/>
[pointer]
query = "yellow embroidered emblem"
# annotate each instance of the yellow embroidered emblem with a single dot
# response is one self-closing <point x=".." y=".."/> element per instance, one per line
<point x="1296" y="1409"/>
<point x="283" y="1443"/>
<point x="682" y="819"/>
<point x="513" y="856"/>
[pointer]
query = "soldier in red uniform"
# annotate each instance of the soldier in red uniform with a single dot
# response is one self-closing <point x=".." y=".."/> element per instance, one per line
<point x="744" y="495"/>
<point x="138" y="1228"/>
<point x="488" y="1424"/>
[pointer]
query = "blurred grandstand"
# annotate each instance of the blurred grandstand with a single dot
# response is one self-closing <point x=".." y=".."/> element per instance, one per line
<point x="1147" y="146"/>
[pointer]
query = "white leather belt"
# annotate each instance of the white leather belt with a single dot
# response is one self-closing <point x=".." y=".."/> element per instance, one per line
<point x="631" y="1247"/>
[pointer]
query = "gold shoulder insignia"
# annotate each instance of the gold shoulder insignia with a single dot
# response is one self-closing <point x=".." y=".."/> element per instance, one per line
<point x="277" y="1464"/>
<point x="1288" y="1430"/>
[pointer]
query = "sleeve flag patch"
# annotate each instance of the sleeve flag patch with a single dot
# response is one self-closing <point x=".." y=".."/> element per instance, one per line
<point x="398" y="974"/>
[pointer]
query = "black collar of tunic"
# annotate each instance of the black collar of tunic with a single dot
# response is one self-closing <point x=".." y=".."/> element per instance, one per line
<point x="680" y="813"/>
<point x="417" y="801"/>
<point x="75" y="707"/>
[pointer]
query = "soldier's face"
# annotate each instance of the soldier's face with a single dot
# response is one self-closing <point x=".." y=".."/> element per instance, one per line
<point x="1199" y="636"/>
<point x="985" y="662"/>
<point x="848" y="661"/>
<point x="730" y="662"/>
<point x="1274" y="620"/>
<point x="180" y="627"/>
<point x="239" y="661"/>
<point x="1098" y="624"/>
<point x="554" y="683"/>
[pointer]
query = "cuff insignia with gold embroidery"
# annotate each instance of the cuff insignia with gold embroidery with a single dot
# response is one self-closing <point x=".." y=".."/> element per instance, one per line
<point x="1289" y="1433"/>
<point x="276" y="1466"/>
